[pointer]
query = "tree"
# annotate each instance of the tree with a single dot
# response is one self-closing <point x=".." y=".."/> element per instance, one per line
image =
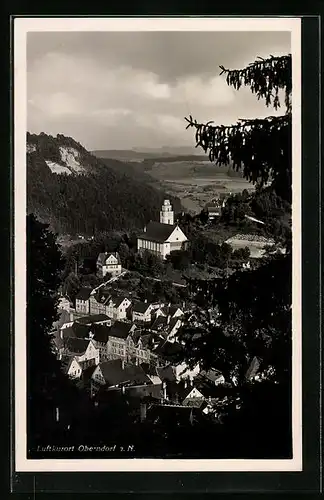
<point x="47" y="386"/>
<point x="248" y="314"/>
<point x="260" y="148"/>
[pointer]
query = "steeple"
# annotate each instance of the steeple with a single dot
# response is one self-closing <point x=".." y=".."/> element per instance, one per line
<point x="167" y="214"/>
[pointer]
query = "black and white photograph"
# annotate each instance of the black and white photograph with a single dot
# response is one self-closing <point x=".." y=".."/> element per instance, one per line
<point x="157" y="215"/>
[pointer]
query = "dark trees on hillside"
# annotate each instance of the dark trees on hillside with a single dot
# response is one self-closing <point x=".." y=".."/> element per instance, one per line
<point x="103" y="199"/>
<point x="49" y="391"/>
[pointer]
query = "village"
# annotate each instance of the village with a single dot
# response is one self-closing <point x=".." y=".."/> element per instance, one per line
<point x="108" y="341"/>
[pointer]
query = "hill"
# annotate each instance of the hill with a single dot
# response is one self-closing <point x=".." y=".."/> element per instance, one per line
<point x="76" y="193"/>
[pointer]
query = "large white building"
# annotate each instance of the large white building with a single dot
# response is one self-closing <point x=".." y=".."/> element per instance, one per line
<point x="162" y="237"/>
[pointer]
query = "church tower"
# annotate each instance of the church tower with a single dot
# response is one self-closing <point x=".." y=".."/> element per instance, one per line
<point x="167" y="214"/>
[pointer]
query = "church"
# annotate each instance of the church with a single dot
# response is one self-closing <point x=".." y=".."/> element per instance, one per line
<point x="162" y="237"/>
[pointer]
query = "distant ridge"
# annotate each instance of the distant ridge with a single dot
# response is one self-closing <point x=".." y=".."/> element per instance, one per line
<point x="147" y="153"/>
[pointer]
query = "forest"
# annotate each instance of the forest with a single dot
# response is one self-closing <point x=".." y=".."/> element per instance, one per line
<point x="100" y="200"/>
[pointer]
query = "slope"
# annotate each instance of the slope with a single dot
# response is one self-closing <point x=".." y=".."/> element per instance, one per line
<point x="78" y="194"/>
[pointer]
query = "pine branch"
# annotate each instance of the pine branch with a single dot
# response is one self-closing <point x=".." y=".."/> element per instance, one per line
<point x="265" y="78"/>
<point x="260" y="148"/>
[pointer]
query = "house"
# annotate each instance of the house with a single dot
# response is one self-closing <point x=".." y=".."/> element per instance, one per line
<point x="73" y="369"/>
<point x="162" y="237"/>
<point x="184" y="393"/>
<point x="109" y="262"/>
<point x="115" y="373"/>
<point x="117" y="345"/>
<point x="215" y="207"/>
<point x="97" y="304"/>
<point x="169" y="352"/>
<point x="171" y="311"/>
<point x="214" y="376"/>
<point x="167" y="328"/>
<point x="152" y="373"/>
<point x="64" y="304"/>
<point x="91" y="353"/>
<point x="117" y="307"/>
<point x="81" y="349"/>
<point x="141" y="312"/>
<point x="82" y="304"/>
<point x="173" y="328"/>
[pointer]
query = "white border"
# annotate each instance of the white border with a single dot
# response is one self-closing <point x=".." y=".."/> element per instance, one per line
<point x="21" y="27"/>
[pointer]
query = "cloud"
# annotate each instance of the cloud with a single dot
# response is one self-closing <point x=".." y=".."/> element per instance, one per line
<point x="112" y="90"/>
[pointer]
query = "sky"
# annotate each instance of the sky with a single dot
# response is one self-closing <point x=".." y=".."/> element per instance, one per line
<point x="124" y="90"/>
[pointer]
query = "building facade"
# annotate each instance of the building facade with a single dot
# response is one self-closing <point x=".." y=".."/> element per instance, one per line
<point x="109" y="263"/>
<point x="161" y="238"/>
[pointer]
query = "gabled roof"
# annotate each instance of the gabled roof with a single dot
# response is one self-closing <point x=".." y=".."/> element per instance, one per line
<point x="146" y="392"/>
<point x="114" y="373"/>
<point x="66" y="363"/>
<point x="141" y="307"/>
<point x="94" y="318"/>
<point x="84" y="294"/>
<point x="159" y="323"/>
<point x="253" y="368"/>
<point x="173" y="322"/>
<point x="103" y="256"/>
<point x="169" y="350"/>
<point x="146" y="340"/>
<point x="121" y="329"/>
<point x="149" y="369"/>
<point x="118" y="299"/>
<point x="166" y="373"/>
<point x="100" y="333"/>
<point x="77" y="346"/>
<point x="87" y="372"/>
<point x="212" y="374"/>
<point x="158" y="232"/>
<point x="81" y="331"/>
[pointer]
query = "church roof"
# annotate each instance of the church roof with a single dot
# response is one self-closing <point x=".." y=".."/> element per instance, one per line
<point x="158" y="232"/>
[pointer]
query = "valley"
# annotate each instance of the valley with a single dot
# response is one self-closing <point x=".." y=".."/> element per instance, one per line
<point x="194" y="180"/>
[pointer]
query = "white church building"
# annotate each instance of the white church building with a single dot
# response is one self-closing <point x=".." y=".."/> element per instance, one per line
<point x="162" y="237"/>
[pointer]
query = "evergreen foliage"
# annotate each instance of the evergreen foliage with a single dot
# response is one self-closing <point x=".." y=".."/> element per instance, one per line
<point x="260" y="148"/>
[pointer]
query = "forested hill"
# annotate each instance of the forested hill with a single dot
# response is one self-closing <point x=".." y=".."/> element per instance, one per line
<point x="79" y="194"/>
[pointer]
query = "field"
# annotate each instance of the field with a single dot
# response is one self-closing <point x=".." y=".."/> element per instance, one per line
<point x="196" y="182"/>
<point x="191" y="178"/>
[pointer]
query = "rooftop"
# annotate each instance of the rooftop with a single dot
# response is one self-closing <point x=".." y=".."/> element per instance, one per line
<point x="94" y="318"/>
<point x="103" y="256"/>
<point x="115" y="373"/>
<point x="77" y="346"/>
<point x="120" y="329"/>
<point x="158" y="232"/>
<point x="141" y="307"/>
<point x="84" y="294"/>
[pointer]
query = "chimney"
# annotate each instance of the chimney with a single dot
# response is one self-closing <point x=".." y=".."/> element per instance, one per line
<point x="144" y="229"/>
<point x="185" y="384"/>
<point x="191" y="382"/>
<point x="145" y="301"/>
<point x="123" y="364"/>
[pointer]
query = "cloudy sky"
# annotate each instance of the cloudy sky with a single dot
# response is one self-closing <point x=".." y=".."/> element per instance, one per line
<point x="123" y="90"/>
